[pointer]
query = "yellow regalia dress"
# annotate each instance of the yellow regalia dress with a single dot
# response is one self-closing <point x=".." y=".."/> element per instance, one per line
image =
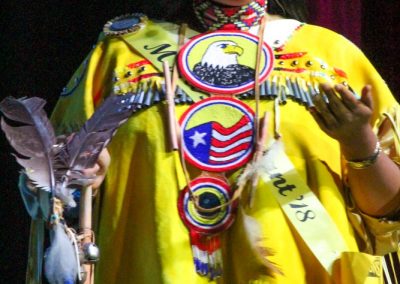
<point x="139" y="232"/>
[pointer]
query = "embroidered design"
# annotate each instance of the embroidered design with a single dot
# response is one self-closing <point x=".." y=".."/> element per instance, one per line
<point x="218" y="134"/>
<point x="212" y="62"/>
<point x="296" y="76"/>
<point x="125" y="24"/>
<point x="127" y="78"/>
<point x="300" y="62"/>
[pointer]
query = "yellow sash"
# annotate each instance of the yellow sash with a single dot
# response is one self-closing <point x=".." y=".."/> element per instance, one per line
<point x="315" y="226"/>
<point x="155" y="44"/>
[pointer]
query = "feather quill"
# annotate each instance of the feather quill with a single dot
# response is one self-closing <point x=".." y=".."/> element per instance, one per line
<point x="30" y="133"/>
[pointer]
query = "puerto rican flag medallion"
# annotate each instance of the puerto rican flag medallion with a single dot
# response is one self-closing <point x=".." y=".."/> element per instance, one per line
<point x="218" y="134"/>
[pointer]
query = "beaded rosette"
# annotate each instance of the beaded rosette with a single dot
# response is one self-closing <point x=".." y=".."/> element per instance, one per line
<point x="204" y="222"/>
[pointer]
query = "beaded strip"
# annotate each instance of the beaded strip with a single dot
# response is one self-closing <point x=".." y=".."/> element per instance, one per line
<point x="214" y="16"/>
<point x="278" y="87"/>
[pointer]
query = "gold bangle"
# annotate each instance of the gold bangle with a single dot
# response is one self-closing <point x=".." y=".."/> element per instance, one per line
<point x="360" y="164"/>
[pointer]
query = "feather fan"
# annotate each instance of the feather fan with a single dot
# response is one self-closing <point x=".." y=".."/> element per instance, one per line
<point x="53" y="169"/>
<point x="30" y="133"/>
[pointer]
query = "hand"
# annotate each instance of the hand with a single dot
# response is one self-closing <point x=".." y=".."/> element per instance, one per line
<point x="99" y="170"/>
<point x="346" y="119"/>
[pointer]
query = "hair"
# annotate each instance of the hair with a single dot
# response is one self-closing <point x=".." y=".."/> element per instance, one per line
<point x="293" y="9"/>
<point x="181" y="11"/>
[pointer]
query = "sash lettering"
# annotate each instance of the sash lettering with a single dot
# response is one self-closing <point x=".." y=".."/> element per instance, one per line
<point x="303" y="213"/>
<point x="161" y="51"/>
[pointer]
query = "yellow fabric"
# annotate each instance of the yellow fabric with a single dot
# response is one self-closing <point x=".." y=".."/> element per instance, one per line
<point x="303" y="209"/>
<point x="368" y="269"/>
<point x="140" y="234"/>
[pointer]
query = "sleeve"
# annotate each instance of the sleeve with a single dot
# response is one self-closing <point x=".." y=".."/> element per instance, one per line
<point x="378" y="235"/>
<point x="381" y="235"/>
<point x="112" y="67"/>
<point x="77" y="101"/>
<point x="388" y="131"/>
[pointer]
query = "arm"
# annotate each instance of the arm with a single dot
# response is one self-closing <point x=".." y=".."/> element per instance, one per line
<point x="376" y="189"/>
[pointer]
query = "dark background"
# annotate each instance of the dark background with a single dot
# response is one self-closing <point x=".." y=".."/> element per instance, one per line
<point x="42" y="43"/>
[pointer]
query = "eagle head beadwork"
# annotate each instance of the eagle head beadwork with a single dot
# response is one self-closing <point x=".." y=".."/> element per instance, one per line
<point x="224" y="62"/>
<point x="219" y="65"/>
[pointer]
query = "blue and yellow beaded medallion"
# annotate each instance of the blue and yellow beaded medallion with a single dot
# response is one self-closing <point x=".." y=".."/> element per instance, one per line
<point x="211" y="192"/>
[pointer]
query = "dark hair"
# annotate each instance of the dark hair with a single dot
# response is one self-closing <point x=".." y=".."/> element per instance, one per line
<point x="172" y="11"/>
<point x="181" y="11"/>
<point x="294" y="9"/>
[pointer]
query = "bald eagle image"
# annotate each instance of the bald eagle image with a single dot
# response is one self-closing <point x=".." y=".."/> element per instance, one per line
<point x="219" y="66"/>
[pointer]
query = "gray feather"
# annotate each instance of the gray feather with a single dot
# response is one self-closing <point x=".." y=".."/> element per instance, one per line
<point x="30" y="133"/>
<point x="83" y="150"/>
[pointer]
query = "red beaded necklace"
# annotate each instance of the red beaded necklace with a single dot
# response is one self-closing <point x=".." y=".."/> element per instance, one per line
<point x="214" y="16"/>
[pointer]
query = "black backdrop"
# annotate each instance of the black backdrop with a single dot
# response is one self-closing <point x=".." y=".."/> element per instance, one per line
<point x="42" y="43"/>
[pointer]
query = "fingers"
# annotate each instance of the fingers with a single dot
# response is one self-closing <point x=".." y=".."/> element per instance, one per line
<point x="366" y="97"/>
<point x="90" y="172"/>
<point x="341" y="104"/>
<point x="98" y="181"/>
<point x="340" y="114"/>
<point x="347" y="97"/>
<point x="323" y="113"/>
<point x="104" y="160"/>
<point x="336" y="105"/>
<point x="98" y="172"/>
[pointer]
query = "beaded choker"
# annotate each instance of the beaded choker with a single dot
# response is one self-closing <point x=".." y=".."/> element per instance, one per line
<point x="214" y="16"/>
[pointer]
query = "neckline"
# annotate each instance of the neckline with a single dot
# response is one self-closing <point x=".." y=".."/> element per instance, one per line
<point x="278" y="32"/>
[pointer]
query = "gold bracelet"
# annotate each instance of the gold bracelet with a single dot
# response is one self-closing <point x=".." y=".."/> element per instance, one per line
<point x="360" y="164"/>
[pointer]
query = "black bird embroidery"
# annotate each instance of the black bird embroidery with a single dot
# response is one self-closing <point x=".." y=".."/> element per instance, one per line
<point x="219" y="66"/>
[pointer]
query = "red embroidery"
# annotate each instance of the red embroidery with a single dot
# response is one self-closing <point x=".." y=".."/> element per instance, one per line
<point x="290" y="55"/>
<point x="295" y="70"/>
<point x="144" y="76"/>
<point x="340" y="72"/>
<point x="139" y="63"/>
